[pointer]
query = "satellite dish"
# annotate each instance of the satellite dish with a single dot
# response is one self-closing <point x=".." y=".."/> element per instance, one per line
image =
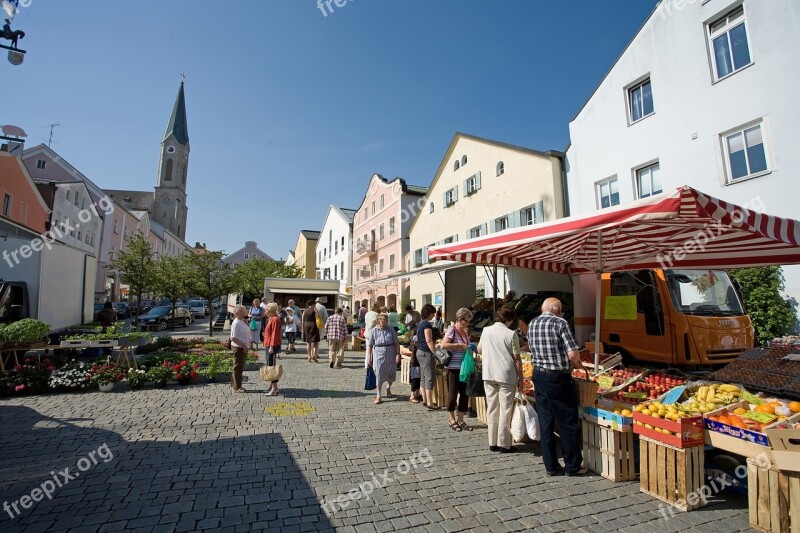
<point x="16" y="57"/>
<point x="14" y="131"/>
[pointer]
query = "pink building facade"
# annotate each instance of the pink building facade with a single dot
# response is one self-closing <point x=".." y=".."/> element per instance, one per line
<point x="380" y="243"/>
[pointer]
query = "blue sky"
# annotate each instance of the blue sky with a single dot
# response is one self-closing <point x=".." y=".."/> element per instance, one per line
<point x="289" y="110"/>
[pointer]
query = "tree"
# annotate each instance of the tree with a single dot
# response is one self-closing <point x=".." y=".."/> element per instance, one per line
<point x="172" y="278"/>
<point x="210" y="277"/>
<point x="136" y="267"/>
<point x="249" y="276"/>
<point x="772" y="314"/>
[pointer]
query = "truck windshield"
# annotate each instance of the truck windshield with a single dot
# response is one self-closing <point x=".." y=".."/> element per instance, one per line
<point x="703" y="292"/>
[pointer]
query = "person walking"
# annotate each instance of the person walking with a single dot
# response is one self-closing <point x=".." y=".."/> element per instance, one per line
<point x="297" y="312"/>
<point x="383" y="353"/>
<point x="336" y="333"/>
<point x="106" y="316"/>
<point x="394" y="318"/>
<point x="362" y="310"/>
<point x="502" y="377"/>
<point x="240" y="340"/>
<point x="426" y="339"/>
<point x="322" y="313"/>
<point x="370" y="320"/>
<point x="256" y="315"/>
<point x="272" y="341"/>
<point x="311" y="332"/>
<point x="292" y="326"/>
<point x="555" y="353"/>
<point x="456" y="339"/>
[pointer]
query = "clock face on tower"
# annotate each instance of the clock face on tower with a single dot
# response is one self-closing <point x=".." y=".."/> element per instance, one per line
<point x="165" y="200"/>
<point x="170" y="149"/>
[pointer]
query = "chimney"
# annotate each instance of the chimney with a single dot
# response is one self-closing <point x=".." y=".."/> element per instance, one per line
<point x="197" y="244"/>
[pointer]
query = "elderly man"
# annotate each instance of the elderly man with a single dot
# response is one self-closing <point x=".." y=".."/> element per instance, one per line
<point x="555" y="353"/>
<point x="322" y="313"/>
<point x="240" y="341"/>
<point x="297" y="312"/>
<point x="336" y="332"/>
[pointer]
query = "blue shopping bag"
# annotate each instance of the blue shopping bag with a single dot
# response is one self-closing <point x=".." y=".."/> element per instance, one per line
<point x="371" y="382"/>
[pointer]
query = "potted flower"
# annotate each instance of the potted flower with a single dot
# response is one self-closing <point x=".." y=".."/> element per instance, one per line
<point x="73" y="376"/>
<point x="159" y="375"/>
<point x="30" y="377"/>
<point x="136" y="378"/>
<point x="184" y="371"/>
<point x="105" y="376"/>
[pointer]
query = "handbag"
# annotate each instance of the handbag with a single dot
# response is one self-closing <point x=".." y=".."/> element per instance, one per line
<point x="253" y="324"/>
<point x="475" y="386"/>
<point x="226" y="344"/>
<point x="271" y="373"/>
<point x="442" y="356"/>
<point x="467" y="366"/>
<point x="371" y="381"/>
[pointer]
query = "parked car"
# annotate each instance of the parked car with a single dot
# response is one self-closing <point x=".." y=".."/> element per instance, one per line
<point x="122" y="309"/>
<point x="162" y="317"/>
<point x="146" y="305"/>
<point x="198" y="308"/>
<point x="97" y="309"/>
<point x="188" y="310"/>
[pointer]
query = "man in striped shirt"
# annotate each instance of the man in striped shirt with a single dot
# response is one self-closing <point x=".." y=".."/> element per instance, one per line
<point x="555" y="353"/>
<point x="336" y="332"/>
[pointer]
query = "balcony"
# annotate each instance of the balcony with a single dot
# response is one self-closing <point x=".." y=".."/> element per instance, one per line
<point x="366" y="247"/>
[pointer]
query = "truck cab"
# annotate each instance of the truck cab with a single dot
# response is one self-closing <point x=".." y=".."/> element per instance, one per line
<point x="675" y="317"/>
<point x="13" y="301"/>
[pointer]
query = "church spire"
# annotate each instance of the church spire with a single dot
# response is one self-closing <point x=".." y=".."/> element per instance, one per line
<point x="177" y="122"/>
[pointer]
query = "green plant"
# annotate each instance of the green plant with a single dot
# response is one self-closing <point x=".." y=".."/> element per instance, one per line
<point x="30" y="377"/>
<point x="105" y="374"/>
<point x="136" y="378"/>
<point x="72" y="376"/>
<point x="159" y="374"/>
<point x="25" y="331"/>
<point x="163" y="342"/>
<point x="772" y="315"/>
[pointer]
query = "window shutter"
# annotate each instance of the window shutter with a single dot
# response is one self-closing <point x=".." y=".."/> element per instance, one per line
<point x="425" y="260"/>
<point x="455" y="193"/>
<point x="444" y="199"/>
<point x="484" y="229"/>
<point x="514" y="218"/>
<point x="538" y="212"/>
<point x="465" y="188"/>
<point x="477" y="181"/>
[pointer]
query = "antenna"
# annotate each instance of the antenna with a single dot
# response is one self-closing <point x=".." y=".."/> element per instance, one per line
<point x="52" y="126"/>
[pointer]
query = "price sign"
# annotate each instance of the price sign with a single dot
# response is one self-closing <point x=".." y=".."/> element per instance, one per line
<point x="755" y="400"/>
<point x="764" y="418"/>
<point x="639" y="395"/>
<point x="620" y="308"/>
<point x="607" y="382"/>
<point x="673" y="395"/>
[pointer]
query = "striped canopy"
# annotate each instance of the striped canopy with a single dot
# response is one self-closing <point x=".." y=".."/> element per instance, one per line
<point x="687" y="229"/>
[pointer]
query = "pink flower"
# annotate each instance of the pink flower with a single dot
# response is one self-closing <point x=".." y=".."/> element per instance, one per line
<point x="51" y="368"/>
<point x="19" y="388"/>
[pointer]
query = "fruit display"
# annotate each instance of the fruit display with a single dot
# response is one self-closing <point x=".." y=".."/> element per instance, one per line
<point x="647" y="388"/>
<point x="606" y="360"/>
<point x="711" y="397"/>
<point x="767" y="369"/>
<point x="659" y="410"/>
<point x="527" y="370"/>
<point x="527" y="387"/>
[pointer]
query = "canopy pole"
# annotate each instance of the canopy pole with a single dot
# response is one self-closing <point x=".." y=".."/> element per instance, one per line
<point x="494" y="290"/>
<point x="597" y="325"/>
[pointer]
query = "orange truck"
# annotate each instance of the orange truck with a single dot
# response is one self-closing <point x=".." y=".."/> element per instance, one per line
<point x="676" y="317"/>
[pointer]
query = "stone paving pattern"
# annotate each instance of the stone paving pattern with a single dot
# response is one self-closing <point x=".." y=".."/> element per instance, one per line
<point x="199" y="458"/>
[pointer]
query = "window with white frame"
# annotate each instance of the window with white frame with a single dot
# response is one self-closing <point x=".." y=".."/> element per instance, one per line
<point x="607" y="193"/>
<point x="373" y="208"/>
<point x="501" y="223"/>
<point x="380" y="266"/>
<point x="472" y="184"/>
<point x="247" y="256"/>
<point x="391" y="226"/>
<point x="463" y="160"/>
<point x="501" y="168"/>
<point x="730" y="50"/>
<point x="116" y="224"/>
<point x="640" y="100"/>
<point x="391" y="262"/>
<point x="77" y="199"/>
<point x="532" y="214"/>
<point x="418" y="257"/>
<point x="450" y="197"/>
<point x="67" y="194"/>
<point x="449" y="240"/>
<point x="383" y="200"/>
<point x="430" y="208"/>
<point x="6" y="205"/>
<point x="476" y="232"/>
<point x="745" y="153"/>
<point x="381" y="232"/>
<point x="648" y="180"/>
<point x="336" y="247"/>
<point x="41" y="163"/>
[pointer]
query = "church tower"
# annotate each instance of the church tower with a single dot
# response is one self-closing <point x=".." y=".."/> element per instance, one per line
<point x="169" y="208"/>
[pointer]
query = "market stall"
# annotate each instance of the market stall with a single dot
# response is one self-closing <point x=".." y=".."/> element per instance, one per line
<point x="687" y="229"/>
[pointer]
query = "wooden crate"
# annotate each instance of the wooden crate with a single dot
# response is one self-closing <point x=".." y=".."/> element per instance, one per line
<point x="774" y="498"/>
<point x="405" y="369"/>
<point x="608" y="452"/>
<point x="672" y="474"/>
<point x="440" y="388"/>
<point x="358" y="343"/>
<point x="480" y="407"/>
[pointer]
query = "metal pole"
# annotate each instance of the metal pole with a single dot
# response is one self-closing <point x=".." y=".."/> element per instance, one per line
<point x="494" y="290"/>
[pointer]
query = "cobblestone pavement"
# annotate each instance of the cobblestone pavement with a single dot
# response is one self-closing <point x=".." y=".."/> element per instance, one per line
<point x="197" y="457"/>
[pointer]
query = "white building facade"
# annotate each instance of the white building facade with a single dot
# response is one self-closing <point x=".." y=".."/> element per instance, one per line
<point x="702" y="96"/>
<point x="481" y="187"/>
<point x="334" y="251"/>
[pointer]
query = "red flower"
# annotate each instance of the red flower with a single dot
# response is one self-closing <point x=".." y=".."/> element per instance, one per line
<point x="51" y="368"/>
<point x="179" y="376"/>
<point x="193" y="374"/>
<point x="119" y="377"/>
<point x="196" y="365"/>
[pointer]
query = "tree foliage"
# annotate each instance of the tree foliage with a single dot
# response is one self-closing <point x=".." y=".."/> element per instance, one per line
<point x="210" y="277"/>
<point x="249" y="276"/>
<point x="136" y="266"/>
<point x="772" y="314"/>
<point x="172" y="278"/>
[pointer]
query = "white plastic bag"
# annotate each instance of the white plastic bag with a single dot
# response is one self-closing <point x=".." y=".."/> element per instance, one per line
<point x="531" y="421"/>
<point x="519" y="428"/>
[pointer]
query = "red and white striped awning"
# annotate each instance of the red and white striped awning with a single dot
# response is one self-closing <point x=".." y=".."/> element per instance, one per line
<point x="687" y="229"/>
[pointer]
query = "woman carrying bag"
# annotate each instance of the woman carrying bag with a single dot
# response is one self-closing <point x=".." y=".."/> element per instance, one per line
<point x="456" y="340"/>
<point x="273" y="341"/>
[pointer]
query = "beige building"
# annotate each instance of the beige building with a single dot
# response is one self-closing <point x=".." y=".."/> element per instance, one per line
<point x="482" y="187"/>
<point x="305" y="253"/>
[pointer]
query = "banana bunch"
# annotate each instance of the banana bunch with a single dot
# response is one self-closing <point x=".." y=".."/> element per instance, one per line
<point x="711" y="397"/>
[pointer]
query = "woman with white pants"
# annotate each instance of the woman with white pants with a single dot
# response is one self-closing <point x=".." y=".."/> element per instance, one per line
<point x="502" y="377"/>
